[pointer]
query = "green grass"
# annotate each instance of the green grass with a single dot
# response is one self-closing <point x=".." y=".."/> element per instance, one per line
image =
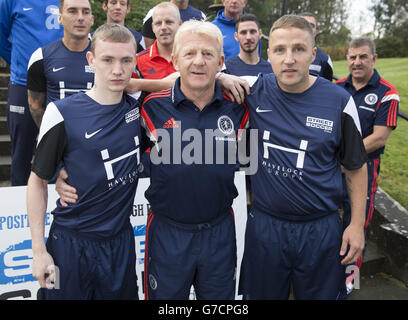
<point x="394" y="163"/>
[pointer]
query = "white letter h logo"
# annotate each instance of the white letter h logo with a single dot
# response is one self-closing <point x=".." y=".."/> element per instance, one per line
<point x="301" y="153"/>
<point x="108" y="164"/>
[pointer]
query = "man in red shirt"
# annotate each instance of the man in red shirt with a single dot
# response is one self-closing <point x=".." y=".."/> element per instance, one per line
<point x="155" y="61"/>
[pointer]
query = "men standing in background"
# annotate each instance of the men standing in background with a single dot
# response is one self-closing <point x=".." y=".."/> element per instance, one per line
<point x="60" y="68"/>
<point x="225" y="21"/>
<point x="24" y="26"/>
<point x="187" y="12"/>
<point x="377" y="102"/>
<point x="247" y="62"/>
<point x="116" y="11"/>
<point x="322" y="65"/>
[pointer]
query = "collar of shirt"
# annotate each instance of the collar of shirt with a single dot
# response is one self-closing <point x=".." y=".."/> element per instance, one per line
<point x="373" y="82"/>
<point x="154" y="53"/>
<point x="178" y="97"/>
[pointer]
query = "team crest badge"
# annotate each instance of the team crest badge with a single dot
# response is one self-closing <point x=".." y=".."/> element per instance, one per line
<point x="152" y="282"/>
<point x="225" y="125"/>
<point x="371" y="98"/>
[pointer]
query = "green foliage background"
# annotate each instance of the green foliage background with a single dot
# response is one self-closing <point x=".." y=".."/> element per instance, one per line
<point x="390" y="29"/>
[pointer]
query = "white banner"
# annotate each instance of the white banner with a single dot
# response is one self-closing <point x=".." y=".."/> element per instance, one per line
<point x="16" y="280"/>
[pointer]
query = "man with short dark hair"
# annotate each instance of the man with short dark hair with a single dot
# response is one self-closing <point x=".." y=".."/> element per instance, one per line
<point x="90" y="251"/>
<point x="322" y="65"/>
<point x="60" y="68"/>
<point x="116" y="11"/>
<point x="247" y="62"/>
<point x="377" y="103"/>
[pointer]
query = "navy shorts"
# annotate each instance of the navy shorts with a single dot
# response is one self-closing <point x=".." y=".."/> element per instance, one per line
<point x="180" y="256"/>
<point x="279" y="254"/>
<point x="92" y="269"/>
<point x="23" y="134"/>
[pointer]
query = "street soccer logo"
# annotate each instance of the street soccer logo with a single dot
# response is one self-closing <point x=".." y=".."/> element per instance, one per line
<point x="225" y="125"/>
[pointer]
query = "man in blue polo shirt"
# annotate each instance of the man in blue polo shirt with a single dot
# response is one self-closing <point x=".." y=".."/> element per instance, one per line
<point x="294" y="233"/>
<point x="190" y="236"/>
<point x="225" y="21"/>
<point x="377" y="103"/>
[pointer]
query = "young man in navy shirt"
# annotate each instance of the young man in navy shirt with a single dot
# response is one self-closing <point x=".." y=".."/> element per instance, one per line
<point x="294" y="233"/>
<point x="377" y="103"/>
<point x="116" y="11"/>
<point x="90" y="251"/>
<point x="248" y="62"/>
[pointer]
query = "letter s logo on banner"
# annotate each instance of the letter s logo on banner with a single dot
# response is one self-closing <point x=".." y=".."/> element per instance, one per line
<point x="15" y="263"/>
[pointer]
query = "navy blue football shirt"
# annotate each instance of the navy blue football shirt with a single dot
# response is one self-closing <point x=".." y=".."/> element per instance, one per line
<point x="99" y="146"/>
<point x="59" y="71"/>
<point x="239" y="68"/>
<point x="302" y="141"/>
<point x="194" y="181"/>
<point x="322" y="65"/>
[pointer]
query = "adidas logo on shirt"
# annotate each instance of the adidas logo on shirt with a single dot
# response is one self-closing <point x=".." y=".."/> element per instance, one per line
<point x="152" y="71"/>
<point x="171" y="124"/>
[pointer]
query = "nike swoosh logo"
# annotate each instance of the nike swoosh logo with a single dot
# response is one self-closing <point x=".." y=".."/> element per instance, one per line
<point x="27" y="9"/>
<point x="57" y="69"/>
<point x="262" y="110"/>
<point x="88" y="136"/>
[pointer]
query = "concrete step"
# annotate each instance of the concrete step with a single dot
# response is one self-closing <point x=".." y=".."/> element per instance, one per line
<point x="5" y="164"/>
<point x="3" y="108"/>
<point x="5" y="145"/>
<point x="3" y="93"/>
<point x="4" y="79"/>
<point x="374" y="260"/>
<point x="3" y="125"/>
<point x="380" y="286"/>
<point x="388" y="229"/>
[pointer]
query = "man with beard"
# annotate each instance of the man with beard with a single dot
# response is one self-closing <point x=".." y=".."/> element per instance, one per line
<point x="248" y="62"/>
